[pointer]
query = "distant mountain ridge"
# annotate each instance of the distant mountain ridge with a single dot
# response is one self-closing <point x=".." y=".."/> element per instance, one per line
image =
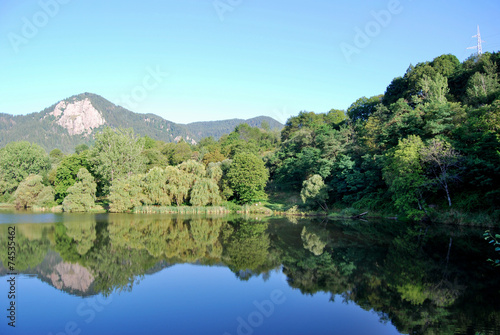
<point x="75" y="120"/>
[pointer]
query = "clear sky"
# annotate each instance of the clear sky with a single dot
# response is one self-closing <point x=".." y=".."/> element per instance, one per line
<point x="194" y="60"/>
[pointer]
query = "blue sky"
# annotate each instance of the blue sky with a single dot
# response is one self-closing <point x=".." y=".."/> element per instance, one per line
<point x="193" y="60"/>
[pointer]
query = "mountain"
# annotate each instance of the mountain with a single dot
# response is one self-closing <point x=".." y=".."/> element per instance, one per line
<point x="75" y="120"/>
<point x="218" y="128"/>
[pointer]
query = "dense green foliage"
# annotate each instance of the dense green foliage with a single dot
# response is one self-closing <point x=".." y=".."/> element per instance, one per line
<point x="247" y="177"/>
<point x="314" y="189"/>
<point x="18" y="160"/>
<point x="429" y="145"/>
<point x="66" y="173"/>
<point x="430" y="142"/>
<point x="115" y="154"/>
<point x="31" y="191"/>
<point x="81" y="196"/>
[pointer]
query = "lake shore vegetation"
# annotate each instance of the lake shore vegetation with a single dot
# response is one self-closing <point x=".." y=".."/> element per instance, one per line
<point x="427" y="149"/>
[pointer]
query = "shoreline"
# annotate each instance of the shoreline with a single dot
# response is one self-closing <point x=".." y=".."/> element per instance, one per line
<point x="452" y="217"/>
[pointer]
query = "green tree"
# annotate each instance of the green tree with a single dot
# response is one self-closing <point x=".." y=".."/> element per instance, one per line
<point x="147" y="142"/>
<point x="482" y="88"/>
<point x="155" y="187"/>
<point x="335" y="117"/>
<point x="56" y="156"/>
<point x="443" y="162"/>
<point x="154" y="158"/>
<point x="205" y="191"/>
<point x="81" y="148"/>
<point x="314" y="189"/>
<point x="197" y="170"/>
<point x="214" y="171"/>
<point x="179" y="183"/>
<point x="433" y="89"/>
<point x="81" y="196"/>
<point x="395" y="91"/>
<point x="126" y="193"/>
<point x="66" y="174"/>
<point x="404" y="174"/>
<point x="31" y="191"/>
<point x="115" y="154"/>
<point x="213" y="157"/>
<point x="17" y="161"/>
<point x="177" y="153"/>
<point x="446" y="65"/>
<point x="248" y="177"/>
<point x="362" y="108"/>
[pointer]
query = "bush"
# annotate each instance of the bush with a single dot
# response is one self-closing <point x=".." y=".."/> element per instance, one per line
<point x="31" y="191"/>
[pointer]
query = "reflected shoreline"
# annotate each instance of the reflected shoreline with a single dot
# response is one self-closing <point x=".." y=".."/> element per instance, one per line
<point x="397" y="270"/>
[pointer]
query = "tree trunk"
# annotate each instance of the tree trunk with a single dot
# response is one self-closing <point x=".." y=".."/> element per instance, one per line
<point x="447" y="193"/>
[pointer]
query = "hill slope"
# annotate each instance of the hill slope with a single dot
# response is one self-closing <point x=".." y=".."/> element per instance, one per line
<point x="75" y="120"/>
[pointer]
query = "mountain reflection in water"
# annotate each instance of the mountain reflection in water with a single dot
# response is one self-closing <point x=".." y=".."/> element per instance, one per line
<point x="422" y="279"/>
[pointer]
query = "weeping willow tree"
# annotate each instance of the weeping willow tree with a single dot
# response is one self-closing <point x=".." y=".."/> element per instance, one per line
<point x="189" y="182"/>
<point x="126" y="193"/>
<point x="205" y="191"/>
<point x="155" y="187"/>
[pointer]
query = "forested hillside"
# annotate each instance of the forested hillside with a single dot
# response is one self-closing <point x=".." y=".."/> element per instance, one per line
<point x="52" y="130"/>
<point x="430" y="141"/>
<point x="428" y="148"/>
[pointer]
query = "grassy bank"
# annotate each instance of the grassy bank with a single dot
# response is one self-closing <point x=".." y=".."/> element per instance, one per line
<point x="289" y="204"/>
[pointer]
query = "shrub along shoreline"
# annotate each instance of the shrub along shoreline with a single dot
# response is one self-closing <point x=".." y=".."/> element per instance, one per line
<point x="446" y="217"/>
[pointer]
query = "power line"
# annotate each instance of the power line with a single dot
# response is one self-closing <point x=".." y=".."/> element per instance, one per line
<point x="479" y="46"/>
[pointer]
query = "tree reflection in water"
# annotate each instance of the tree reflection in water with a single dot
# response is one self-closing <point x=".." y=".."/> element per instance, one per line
<point x="411" y="275"/>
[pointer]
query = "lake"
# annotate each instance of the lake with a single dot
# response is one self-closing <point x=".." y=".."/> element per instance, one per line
<point x="172" y="274"/>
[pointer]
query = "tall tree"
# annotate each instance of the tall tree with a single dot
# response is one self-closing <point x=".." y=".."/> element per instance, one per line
<point x="315" y="189"/>
<point x="66" y="174"/>
<point x="115" y="154"/>
<point x="443" y="163"/>
<point x="248" y="177"/>
<point x="404" y="174"/>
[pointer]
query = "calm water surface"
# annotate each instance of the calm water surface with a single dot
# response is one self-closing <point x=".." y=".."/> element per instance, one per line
<point x="166" y="274"/>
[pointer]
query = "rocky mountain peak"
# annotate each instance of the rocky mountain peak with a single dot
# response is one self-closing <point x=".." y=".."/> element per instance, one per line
<point x="78" y="116"/>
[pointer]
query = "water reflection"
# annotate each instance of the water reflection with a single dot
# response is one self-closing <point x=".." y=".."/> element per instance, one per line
<point x="425" y="280"/>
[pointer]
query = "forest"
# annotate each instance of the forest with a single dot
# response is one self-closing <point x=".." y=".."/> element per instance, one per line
<point x="426" y="149"/>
